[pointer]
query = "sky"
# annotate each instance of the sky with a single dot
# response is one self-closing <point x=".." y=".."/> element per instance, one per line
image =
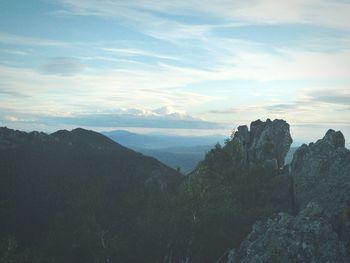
<point x="186" y="66"/>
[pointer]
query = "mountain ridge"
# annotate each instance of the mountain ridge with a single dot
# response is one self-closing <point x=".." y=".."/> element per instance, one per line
<point x="60" y="194"/>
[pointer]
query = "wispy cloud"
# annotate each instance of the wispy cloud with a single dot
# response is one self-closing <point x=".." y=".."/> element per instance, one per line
<point x="64" y="66"/>
<point x="337" y="97"/>
<point x="341" y="97"/>
<point x="13" y="94"/>
<point x="29" y="41"/>
<point x="318" y="12"/>
<point x="138" y="52"/>
<point x="100" y="90"/>
<point x="15" y="52"/>
<point x="308" y="107"/>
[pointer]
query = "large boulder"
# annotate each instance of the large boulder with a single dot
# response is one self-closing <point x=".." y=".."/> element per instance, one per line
<point x="303" y="238"/>
<point x="267" y="143"/>
<point x="321" y="173"/>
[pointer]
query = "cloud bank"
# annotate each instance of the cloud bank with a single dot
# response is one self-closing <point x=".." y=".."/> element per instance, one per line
<point x="144" y="118"/>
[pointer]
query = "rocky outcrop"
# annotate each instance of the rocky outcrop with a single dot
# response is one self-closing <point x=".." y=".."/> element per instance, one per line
<point x="320" y="232"/>
<point x="321" y="174"/>
<point x="303" y="238"/>
<point x="266" y="143"/>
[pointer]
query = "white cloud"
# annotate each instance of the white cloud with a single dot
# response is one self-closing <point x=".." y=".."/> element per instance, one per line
<point x="10" y="118"/>
<point x="312" y="106"/>
<point x="98" y="90"/>
<point x="138" y="52"/>
<point x="128" y="117"/>
<point x="64" y="66"/>
<point x="29" y="41"/>
<point x="317" y="12"/>
<point x="15" y="52"/>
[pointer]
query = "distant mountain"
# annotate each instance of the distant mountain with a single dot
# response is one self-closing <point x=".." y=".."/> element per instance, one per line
<point x="178" y="152"/>
<point x="184" y="159"/>
<point x="73" y="196"/>
<point x="158" y="141"/>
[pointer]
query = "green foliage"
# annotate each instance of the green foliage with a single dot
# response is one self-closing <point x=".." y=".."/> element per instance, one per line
<point x="223" y="198"/>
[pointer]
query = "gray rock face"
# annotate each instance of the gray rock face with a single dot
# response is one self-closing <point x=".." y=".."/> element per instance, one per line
<point x="304" y="238"/>
<point x="321" y="173"/>
<point x="267" y="143"/>
<point x="321" y="190"/>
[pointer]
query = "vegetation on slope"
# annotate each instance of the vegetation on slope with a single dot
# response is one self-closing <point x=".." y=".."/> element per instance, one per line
<point x="79" y="197"/>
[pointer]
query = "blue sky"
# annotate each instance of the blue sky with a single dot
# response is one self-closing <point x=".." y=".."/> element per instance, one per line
<point x="183" y="66"/>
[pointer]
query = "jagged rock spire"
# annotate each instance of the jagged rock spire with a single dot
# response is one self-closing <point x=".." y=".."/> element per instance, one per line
<point x="266" y="143"/>
<point x="321" y="173"/>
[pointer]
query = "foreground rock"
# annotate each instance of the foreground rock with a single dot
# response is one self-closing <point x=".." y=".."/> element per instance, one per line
<point x="266" y="143"/>
<point x="304" y="238"/>
<point x="321" y="173"/>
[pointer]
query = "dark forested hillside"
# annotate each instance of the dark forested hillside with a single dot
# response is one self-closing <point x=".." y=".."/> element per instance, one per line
<point x="80" y="197"/>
